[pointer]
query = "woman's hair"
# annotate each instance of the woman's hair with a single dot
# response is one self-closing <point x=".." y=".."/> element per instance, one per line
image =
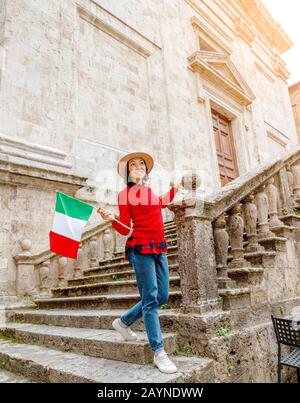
<point x="127" y="178"/>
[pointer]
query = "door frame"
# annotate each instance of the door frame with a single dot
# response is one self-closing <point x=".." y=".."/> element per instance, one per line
<point x="236" y="116"/>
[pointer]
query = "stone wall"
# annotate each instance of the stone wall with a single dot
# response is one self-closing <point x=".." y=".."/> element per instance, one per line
<point x="99" y="78"/>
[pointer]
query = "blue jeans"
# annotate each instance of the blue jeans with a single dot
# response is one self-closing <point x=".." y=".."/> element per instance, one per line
<point x="152" y="276"/>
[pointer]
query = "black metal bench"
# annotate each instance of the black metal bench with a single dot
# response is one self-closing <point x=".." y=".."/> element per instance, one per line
<point x="288" y="333"/>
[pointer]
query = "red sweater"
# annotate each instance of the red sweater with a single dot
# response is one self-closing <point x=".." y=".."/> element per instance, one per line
<point x="143" y="206"/>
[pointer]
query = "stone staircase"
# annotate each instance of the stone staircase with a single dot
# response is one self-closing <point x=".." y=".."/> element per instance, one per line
<point x="236" y="263"/>
<point x="68" y="337"/>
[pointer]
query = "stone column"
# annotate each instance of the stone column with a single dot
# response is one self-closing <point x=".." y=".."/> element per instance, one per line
<point x="221" y="241"/>
<point x="273" y="201"/>
<point x="250" y="214"/>
<point x="26" y="276"/>
<point x="196" y="254"/>
<point x="79" y="263"/>
<point x="296" y="183"/>
<point x="286" y="190"/>
<point x="62" y="265"/>
<point x="94" y="252"/>
<point x="44" y="272"/>
<point x="236" y="230"/>
<point x="262" y="205"/>
<point x="107" y="241"/>
<point x="5" y="283"/>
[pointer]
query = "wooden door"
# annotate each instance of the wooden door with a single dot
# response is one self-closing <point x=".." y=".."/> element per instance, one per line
<point x="225" y="148"/>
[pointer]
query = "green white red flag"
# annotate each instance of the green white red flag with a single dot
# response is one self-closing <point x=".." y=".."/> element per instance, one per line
<point x="70" y="218"/>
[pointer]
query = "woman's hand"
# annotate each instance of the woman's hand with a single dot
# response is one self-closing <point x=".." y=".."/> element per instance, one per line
<point x="176" y="184"/>
<point x="105" y="214"/>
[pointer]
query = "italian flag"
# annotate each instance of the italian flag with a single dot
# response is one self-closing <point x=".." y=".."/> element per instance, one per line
<point x="70" y="218"/>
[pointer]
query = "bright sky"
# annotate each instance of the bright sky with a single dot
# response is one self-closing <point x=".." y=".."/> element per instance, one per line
<point x="287" y="13"/>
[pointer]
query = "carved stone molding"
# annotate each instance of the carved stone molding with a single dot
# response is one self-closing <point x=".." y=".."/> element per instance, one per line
<point x="280" y="69"/>
<point x="218" y="41"/>
<point x="113" y="26"/>
<point x="243" y="30"/>
<point x="257" y="14"/>
<point x="218" y="68"/>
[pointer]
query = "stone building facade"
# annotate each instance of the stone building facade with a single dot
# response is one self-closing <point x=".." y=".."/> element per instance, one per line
<point x="199" y="85"/>
<point x="295" y="100"/>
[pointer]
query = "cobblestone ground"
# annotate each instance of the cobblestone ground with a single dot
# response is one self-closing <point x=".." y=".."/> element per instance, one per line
<point x="9" y="377"/>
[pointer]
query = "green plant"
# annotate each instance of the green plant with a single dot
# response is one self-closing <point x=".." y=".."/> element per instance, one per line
<point x="20" y="319"/>
<point x="187" y="349"/>
<point x="282" y="311"/>
<point x="230" y="367"/>
<point x="165" y="306"/>
<point x="116" y="277"/>
<point x="222" y="331"/>
<point x="10" y="339"/>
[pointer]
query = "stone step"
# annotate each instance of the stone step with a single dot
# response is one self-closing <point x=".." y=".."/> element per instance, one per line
<point x="170" y="235"/>
<point x="109" y="268"/>
<point x="172" y="241"/>
<point x="110" y="287"/>
<point x="93" y="319"/>
<point x="114" y="301"/>
<point x="124" y="264"/>
<point x="10" y="377"/>
<point x="121" y="254"/>
<point x="121" y="258"/>
<point x="169" y="224"/>
<point x="256" y="258"/>
<point x="102" y="343"/>
<point x="114" y="275"/>
<point x="172" y="258"/>
<point x="43" y="364"/>
<point x="235" y="298"/>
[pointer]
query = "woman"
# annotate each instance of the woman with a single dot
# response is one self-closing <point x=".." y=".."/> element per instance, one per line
<point x="145" y="249"/>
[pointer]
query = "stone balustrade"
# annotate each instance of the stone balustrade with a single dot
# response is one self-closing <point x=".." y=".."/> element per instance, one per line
<point x="37" y="273"/>
<point x="240" y="243"/>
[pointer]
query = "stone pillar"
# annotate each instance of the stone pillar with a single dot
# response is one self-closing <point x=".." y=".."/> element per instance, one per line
<point x="196" y="254"/>
<point x="62" y="264"/>
<point x="250" y="221"/>
<point x="236" y="230"/>
<point x="262" y="205"/>
<point x="26" y="280"/>
<point x="26" y="276"/>
<point x="286" y="190"/>
<point x="296" y="183"/>
<point x="44" y="279"/>
<point x="273" y="201"/>
<point x="94" y="252"/>
<point x="107" y="242"/>
<point x="221" y="241"/>
<point x="290" y="179"/>
<point x="78" y="267"/>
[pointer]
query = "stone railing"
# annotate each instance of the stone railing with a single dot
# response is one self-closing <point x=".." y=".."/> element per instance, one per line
<point x="239" y="247"/>
<point x="37" y="273"/>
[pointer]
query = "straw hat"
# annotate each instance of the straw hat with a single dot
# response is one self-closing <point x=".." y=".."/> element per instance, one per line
<point x="137" y="154"/>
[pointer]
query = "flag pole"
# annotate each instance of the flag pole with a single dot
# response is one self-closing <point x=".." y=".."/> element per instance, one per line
<point x="119" y="222"/>
<point x="122" y="223"/>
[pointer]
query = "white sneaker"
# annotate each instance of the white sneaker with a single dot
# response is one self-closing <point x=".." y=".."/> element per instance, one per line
<point x="164" y="364"/>
<point x="126" y="332"/>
